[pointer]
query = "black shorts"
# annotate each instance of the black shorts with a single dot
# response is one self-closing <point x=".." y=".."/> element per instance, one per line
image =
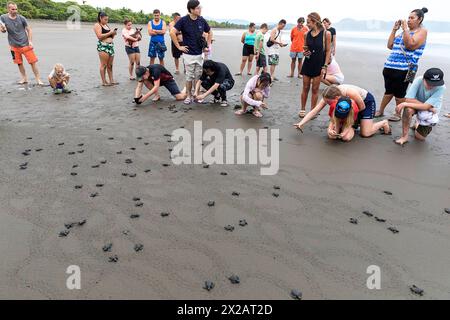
<point x="130" y="50"/>
<point x="394" y="82"/>
<point x="262" y="61"/>
<point x="424" y="131"/>
<point x="172" y="86"/>
<point x="371" y="107"/>
<point x="248" y="50"/>
<point x="175" y="52"/>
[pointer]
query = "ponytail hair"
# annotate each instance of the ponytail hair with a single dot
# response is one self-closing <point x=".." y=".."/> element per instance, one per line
<point x="315" y="17"/>
<point x="420" y="13"/>
<point x="101" y="15"/>
<point x="332" y="92"/>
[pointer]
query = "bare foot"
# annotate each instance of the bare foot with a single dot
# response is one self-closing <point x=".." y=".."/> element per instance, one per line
<point x="378" y="114"/>
<point x="23" y="81"/>
<point x="402" y="141"/>
<point x="39" y="82"/>
<point x="156" y="98"/>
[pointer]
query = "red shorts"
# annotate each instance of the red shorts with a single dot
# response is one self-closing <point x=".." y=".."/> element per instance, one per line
<point x="27" y="51"/>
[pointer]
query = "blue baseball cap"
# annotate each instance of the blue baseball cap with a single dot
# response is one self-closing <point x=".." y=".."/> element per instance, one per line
<point x="343" y="107"/>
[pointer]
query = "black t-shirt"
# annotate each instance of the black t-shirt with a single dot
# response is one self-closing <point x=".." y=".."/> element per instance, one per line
<point x="157" y="71"/>
<point x="333" y="33"/>
<point x="220" y="74"/>
<point x="192" y="31"/>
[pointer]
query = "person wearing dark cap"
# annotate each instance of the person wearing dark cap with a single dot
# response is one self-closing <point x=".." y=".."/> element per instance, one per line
<point x="424" y="99"/>
<point x="343" y="114"/>
<point x="153" y="77"/>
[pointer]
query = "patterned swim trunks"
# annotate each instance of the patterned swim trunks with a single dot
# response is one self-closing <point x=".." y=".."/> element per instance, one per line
<point x="106" y="47"/>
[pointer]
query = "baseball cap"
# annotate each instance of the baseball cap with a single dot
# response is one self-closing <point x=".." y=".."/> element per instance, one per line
<point x="342" y="107"/>
<point x="434" y="77"/>
<point x="140" y="71"/>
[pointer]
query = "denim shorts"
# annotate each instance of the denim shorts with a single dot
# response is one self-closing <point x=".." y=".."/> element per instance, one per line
<point x="130" y="50"/>
<point x="296" y="55"/>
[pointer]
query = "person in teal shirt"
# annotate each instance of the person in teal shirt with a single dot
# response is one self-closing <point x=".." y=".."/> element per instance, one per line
<point x="424" y="99"/>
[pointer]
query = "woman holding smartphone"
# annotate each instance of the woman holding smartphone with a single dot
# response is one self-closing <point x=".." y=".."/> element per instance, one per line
<point x="105" y="48"/>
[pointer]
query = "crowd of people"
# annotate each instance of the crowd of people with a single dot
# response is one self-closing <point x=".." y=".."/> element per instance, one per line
<point x="312" y="53"/>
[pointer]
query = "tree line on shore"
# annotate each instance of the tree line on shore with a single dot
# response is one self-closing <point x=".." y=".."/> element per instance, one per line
<point x="60" y="11"/>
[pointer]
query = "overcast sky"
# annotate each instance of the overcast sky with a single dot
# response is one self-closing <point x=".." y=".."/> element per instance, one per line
<point x="291" y="10"/>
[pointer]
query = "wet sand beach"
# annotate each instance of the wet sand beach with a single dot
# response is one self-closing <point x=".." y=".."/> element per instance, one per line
<point x="79" y="145"/>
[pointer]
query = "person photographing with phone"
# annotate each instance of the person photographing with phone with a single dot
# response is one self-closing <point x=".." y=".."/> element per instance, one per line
<point x="105" y="48"/>
<point x="20" y="39"/>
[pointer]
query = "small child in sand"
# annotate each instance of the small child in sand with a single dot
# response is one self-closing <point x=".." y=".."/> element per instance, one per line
<point x="59" y="79"/>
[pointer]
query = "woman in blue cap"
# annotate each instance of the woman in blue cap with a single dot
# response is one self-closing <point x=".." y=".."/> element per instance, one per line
<point x="343" y="115"/>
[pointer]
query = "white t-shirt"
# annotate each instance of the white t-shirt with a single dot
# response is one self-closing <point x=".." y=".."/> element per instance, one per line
<point x="275" y="49"/>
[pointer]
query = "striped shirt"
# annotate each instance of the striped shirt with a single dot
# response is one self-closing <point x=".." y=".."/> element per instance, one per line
<point x="397" y="59"/>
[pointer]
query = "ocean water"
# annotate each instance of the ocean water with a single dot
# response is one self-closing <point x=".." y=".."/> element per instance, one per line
<point x="438" y="44"/>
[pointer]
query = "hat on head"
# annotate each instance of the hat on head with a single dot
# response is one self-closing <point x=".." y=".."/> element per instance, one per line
<point x="434" y="77"/>
<point x="343" y="107"/>
<point x="140" y="71"/>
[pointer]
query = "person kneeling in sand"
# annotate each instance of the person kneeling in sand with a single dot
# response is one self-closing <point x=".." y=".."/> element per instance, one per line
<point x="334" y="74"/>
<point x="366" y="108"/>
<point x="424" y="99"/>
<point x="256" y="90"/>
<point x="217" y="80"/>
<point x="59" y="79"/>
<point x="153" y="77"/>
<point x="343" y="114"/>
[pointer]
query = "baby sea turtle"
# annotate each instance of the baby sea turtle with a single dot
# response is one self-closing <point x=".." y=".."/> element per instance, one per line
<point x="209" y="285"/>
<point x="94" y="195"/>
<point x="139" y="204"/>
<point x="26" y="154"/>
<point x="126" y="232"/>
<point x="167" y="135"/>
<point x="234" y="279"/>
<point x="243" y="223"/>
<point x="380" y="220"/>
<point x="96" y="166"/>
<point x="125" y="174"/>
<point x="447" y="210"/>
<point x="277" y="187"/>
<point x="211" y="203"/>
<point x="73" y="174"/>
<point x="71" y="153"/>
<point x="136" y="199"/>
<point x="367" y="213"/>
<point x="388" y="193"/>
<point x="103" y="162"/>
<point x="165" y="214"/>
<point x="107" y="248"/>
<point x="110" y="138"/>
<point x="393" y="230"/>
<point x="133" y="149"/>
<point x="353" y="221"/>
<point x="82" y="222"/>
<point x="235" y="194"/>
<point x="296" y="294"/>
<point x="223" y="174"/>
<point x="30" y="138"/>
<point x="148" y="171"/>
<point x="206" y="166"/>
<point x="81" y="144"/>
<point x="135" y="216"/>
<point x="132" y="175"/>
<point x="39" y="150"/>
<point x="119" y="152"/>
<point x="139" y="138"/>
<point x="146" y="143"/>
<point x="276" y="195"/>
<point x="80" y="151"/>
<point x="69" y="225"/>
<point x="138" y="247"/>
<point x="99" y="185"/>
<point x="128" y="161"/>
<point x="113" y="259"/>
<point x="64" y="233"/>
<point x="78" y="187"/>
<point x="98" y="129"/>
<point x="416" y="290"/>
<point x="61" y="144"/>
<point x="166" y="165"/>
<point x="74" y="166"/>
<point x="23" y="167"/>
<point x="229" y="228"/>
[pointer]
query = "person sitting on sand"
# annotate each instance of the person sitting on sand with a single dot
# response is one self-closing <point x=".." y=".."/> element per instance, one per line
<point x="105" y="48"/>
<point x="153" y="77"/>
<point x="256" y="90"/>
<point x="334" y="74"/>
<point x="424" y="99"/>
<point x="366" y="108"/>
<point x="59" y="79"/>
<point x="217" y="80"/>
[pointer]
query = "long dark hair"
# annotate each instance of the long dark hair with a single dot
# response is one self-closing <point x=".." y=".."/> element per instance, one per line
<point x="420" y="13"/>
<point x="101" y="15"/>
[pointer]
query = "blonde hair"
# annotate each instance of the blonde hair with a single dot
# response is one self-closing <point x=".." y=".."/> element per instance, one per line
<point x="348" y="122"/>
<point x="58" y="66"/>
<point x="332" y="92"/>
<point x="314" y="16"/>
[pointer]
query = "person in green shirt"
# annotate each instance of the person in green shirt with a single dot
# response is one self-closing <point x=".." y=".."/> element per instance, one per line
<point x="260" y="52"/>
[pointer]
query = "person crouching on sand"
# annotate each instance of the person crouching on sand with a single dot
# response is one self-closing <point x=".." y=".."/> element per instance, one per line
<point x="153" y="77"/>
<point x="256" y="90"/>
<point x="366" y="108"/>
<point x="424" y="98"/>
<point x="217" y="80"/>
<point x="343" y="114"/>
<point x="59" y="79"/>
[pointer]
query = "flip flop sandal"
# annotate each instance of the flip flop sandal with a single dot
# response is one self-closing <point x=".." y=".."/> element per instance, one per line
<point x="302" y="114"/>
<point x="401" y="144"/>
<point x="187" y="101"/>
<point x="240" y="112"/>
<point x="379" y="115"/>
<point x="395" y="118"/>
<point x="257" y="114"/>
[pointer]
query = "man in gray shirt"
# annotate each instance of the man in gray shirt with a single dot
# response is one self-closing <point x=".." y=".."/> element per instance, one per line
<point x="20" y="41"/>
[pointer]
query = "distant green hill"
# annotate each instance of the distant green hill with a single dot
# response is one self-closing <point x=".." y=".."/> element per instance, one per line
<point x="49" y="10"/>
